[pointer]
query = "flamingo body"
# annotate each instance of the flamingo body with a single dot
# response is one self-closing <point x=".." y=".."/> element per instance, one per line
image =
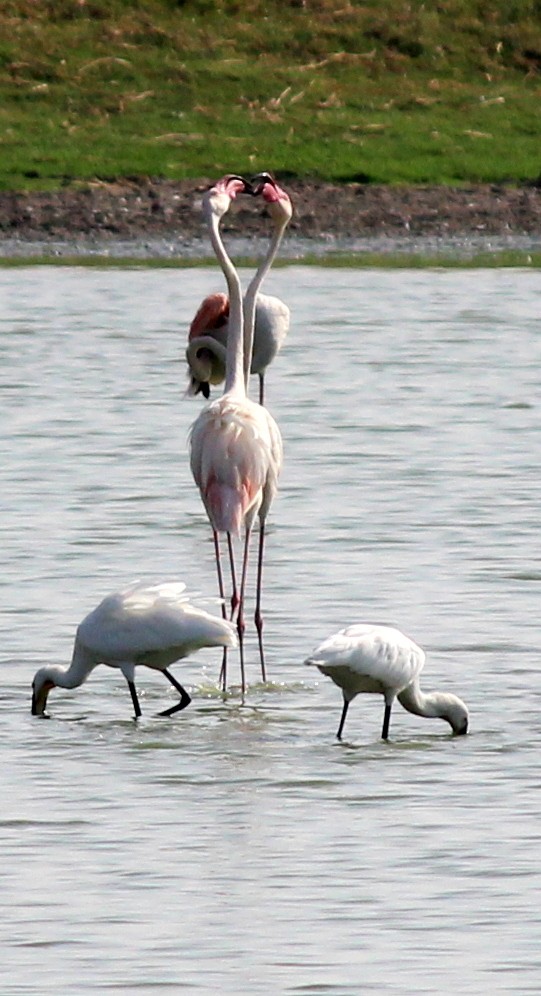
<point x="236" y="455"/>
<point x="151" y="625"/>
<point x="367" y="658"/>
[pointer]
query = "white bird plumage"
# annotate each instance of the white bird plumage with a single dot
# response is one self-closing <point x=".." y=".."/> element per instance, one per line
<point x="151" y="625"/>
<point x="381" y="659"/>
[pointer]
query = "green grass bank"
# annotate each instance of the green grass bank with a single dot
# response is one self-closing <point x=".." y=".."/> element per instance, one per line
<point x="386" y="92"/>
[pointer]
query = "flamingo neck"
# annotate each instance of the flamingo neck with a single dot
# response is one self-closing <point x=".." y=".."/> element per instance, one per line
<point x="250" y="298"/>
<point x="234" y="366"/>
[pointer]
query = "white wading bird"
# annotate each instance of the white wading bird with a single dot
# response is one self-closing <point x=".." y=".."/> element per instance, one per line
<point x="380" y="659"/>
<point x="235" y="444"/>
<point x="145" y="624"/>
<point x="207" y="338"/>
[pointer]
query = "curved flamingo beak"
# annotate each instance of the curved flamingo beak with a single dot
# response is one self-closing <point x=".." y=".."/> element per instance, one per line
<point x="259" y="181"/>
<point x="233" y="184"/>
<point x="277" y="199"/>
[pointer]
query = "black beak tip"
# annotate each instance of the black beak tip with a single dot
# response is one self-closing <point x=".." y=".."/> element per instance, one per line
<point x="258" y="181"/>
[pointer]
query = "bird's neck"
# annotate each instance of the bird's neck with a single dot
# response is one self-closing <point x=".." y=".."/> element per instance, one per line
<point x="82" y="663"/>
<point x="433" y="705"/>
<point x="250" y="298"/>
<point x="234" y="362"/>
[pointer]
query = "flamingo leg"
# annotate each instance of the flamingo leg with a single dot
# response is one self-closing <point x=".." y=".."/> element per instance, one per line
<point x="342" y="719"/>
<point x="134" y="698"/>
<point x="185" y="699"/>
<point x="234" y="592"/>
<point x="223" y="670"/>
<point x="240" y="617"/>
<point x="386" y="721"/>
<point x="258" y="618"/>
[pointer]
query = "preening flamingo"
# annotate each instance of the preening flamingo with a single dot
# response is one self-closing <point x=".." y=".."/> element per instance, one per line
<point x="380" y="659"/>
<point x="207" y="338"/>
<point x="235" y="444"/>
<point x="145" y="624"/>
<point x="206" y="351"/>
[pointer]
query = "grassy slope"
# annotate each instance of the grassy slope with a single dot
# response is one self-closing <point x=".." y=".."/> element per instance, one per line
<point x="386" y="90"/>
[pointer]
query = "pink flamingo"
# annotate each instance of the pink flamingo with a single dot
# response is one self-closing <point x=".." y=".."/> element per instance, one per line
<point x="207" y="337"/>
<point x="235" y="444"/>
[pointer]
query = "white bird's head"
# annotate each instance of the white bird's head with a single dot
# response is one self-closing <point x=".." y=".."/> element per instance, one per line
<point x="217" y="200"/>
<point x="277" y="200"/>
<point x="41" y="686"/>
<point x="454" y="710"/>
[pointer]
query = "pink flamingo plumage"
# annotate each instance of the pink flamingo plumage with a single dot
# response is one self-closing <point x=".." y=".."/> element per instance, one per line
<point x="207" y="338"/>
<point x="235" y="444"/>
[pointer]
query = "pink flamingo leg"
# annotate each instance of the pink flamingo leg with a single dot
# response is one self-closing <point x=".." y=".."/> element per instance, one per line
<point x="237" y="606"/>
<point x="240" y="618"/>
<point x="223" y="670"/>
<point x="235" y="599"/>
<point x="258" y="618"/>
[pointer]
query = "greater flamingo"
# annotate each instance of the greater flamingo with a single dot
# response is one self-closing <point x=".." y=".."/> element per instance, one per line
<point x="207" y="338"/>
<point x="235" y="444"/>
<point x="380" y="659"/>
<point x="280" y="209"/>
<point x="145" y="624"/>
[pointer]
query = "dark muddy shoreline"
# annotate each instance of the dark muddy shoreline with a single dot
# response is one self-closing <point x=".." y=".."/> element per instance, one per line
<point x="149" y="213"/>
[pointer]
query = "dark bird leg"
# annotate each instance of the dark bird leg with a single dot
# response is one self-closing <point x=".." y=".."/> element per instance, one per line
<point x="261" y="388"/>
<point x="258" y="618"/>
<point x="185" y="699"/>
<point x="135" y="700"/>
<point x="342" y="719"/>
<point x="386" y="721"/>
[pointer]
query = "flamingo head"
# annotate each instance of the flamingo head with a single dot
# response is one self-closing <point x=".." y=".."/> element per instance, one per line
<point x="205" y="357"/>
<point x="277" y="200"/>
<point x="218" y="199"/>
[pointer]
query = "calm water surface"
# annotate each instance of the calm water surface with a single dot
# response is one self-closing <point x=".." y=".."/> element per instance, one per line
<point x="240" y="849"/>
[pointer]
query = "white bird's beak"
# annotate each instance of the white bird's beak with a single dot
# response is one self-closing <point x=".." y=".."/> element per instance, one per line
<point x="39" y="698"/>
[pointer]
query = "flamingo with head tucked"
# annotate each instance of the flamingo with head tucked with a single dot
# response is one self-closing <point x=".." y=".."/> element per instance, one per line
<point x="207" y="340"/>
<point x="235" y="444"/>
